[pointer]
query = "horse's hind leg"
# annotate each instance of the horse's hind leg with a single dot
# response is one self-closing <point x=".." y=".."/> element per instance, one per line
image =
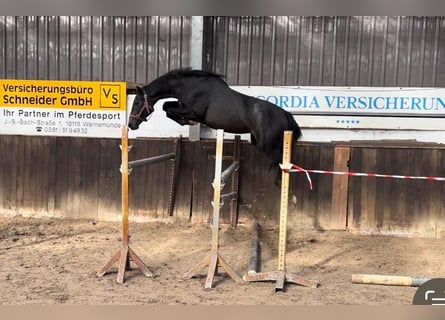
<point x="276" y="156"/>
<point x="253" y="140"/>
<point x="269" y="141"/>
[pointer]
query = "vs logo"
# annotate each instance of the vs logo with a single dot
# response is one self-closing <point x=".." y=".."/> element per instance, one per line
<point x="110" y="96"/>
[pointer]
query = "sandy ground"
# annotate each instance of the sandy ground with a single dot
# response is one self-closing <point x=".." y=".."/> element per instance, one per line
<point x="54" y="261"/>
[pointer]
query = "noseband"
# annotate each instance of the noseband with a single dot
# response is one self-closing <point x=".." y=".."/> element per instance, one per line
<point x="147" y="107"/>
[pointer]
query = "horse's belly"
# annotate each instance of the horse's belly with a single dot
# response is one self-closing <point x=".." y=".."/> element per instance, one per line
<point x="228" y="126"/>
<point x="227" y="112"/>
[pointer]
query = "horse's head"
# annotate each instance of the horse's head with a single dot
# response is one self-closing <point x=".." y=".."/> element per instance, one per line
<point x="141" y="109"/>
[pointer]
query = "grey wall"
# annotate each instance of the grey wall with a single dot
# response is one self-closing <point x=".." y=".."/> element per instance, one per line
<point x="284" y="50"/>
<point x="132" y="49"/>
<point x="327" y="51"/>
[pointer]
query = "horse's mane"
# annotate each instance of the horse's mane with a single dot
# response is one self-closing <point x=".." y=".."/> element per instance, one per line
<point x="163" y="81"/>
<point x="189" y="72"/>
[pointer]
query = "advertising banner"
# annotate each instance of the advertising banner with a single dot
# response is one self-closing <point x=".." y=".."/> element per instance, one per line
<point x="358" y="107"/>
<point x="62" y="108"/>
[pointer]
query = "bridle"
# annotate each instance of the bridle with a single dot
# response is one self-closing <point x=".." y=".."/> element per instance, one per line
<point x="147" y="107"/>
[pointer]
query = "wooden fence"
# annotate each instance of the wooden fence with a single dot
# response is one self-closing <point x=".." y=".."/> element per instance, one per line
<point x="80" y="178"/>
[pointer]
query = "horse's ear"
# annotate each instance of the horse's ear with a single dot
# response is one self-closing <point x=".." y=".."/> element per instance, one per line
<point x="140" y="91"/>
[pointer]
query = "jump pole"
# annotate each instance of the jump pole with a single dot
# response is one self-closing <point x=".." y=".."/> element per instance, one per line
<point x="388" y="280"/>
<point x="254" y="249"/>
<point x="280" y="275"/>
<point x="125" y="254"/>
<point x="214" y="259"/>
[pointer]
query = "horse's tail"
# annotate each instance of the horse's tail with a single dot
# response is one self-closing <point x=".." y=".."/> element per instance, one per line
<point x="293" y="125"/>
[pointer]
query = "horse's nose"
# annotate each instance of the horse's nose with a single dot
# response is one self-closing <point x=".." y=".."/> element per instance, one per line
<point x="133" y="126"/>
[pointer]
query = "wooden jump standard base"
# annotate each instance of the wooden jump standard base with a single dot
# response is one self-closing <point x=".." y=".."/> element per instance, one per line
<point x="280" y="276"/>
<point x="214" y="259"/>
<point x="125" y="254"/>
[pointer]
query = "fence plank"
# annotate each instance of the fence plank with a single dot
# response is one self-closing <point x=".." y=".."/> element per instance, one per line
<point x="109" y="204"/>
<point x="340" y="189"/>
<point x="186" y="183"/>
<point x="89" y="179"/>
<point x="63" y="147"/>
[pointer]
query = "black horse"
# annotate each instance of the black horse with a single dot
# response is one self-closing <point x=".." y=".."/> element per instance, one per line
<point x="206" y="98"/>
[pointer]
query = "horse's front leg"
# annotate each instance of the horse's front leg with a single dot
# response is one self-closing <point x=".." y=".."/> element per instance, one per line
<point x="177" y="113"/>
<point x="177" y="119"/>
<point x="170" y="105"/>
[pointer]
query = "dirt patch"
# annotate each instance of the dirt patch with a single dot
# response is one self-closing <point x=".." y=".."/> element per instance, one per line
<point x="54" y="261"/>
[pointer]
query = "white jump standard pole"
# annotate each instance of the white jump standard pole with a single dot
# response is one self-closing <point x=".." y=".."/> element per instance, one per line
<point x="214" y="259"/>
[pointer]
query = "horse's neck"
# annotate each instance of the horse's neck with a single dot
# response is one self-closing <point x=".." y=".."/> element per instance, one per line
<point x="166" y="95"/>
<point x="158" y="91"/>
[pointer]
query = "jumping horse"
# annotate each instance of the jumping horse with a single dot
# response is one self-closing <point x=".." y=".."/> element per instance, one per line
<point x="206" y="98"/>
